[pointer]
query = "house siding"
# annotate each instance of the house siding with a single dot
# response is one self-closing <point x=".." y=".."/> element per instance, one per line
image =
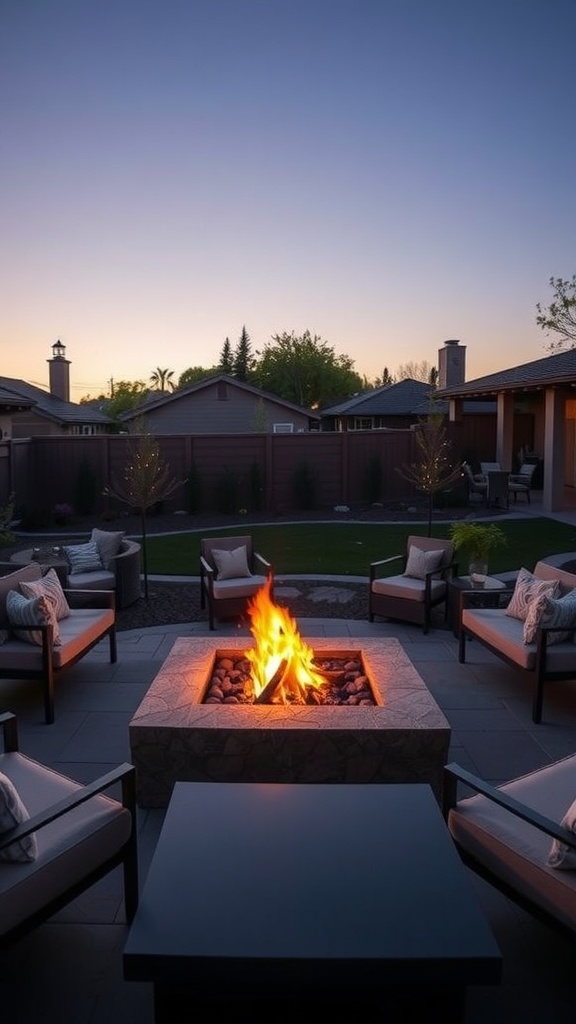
<point x="207" y="411"/>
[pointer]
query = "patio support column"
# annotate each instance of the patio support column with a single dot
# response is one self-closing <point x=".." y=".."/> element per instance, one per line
<point x="505" y="429"/>
<point x="553" y="486"/>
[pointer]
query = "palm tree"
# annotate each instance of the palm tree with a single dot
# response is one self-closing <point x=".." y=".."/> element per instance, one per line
<point x="162" y="379"/>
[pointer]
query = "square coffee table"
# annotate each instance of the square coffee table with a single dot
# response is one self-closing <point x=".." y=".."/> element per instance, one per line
<point x="287" y="895"/>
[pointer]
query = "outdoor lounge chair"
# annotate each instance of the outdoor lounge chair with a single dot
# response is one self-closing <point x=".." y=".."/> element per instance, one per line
<point x="231" y="573"/>
<point x="505" y="834"/>
<point x="63" y="836"/>
<point x="421" y="584"/>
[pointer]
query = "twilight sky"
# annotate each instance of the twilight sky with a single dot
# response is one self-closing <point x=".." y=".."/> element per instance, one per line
<point x="385" y="173"/>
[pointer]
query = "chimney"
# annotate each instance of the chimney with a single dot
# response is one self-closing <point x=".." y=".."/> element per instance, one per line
<point x="451" y="364"/>
<point x="59" y="372"/>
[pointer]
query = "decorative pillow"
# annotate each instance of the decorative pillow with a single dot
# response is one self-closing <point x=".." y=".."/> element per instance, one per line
<point x="422" y="562"/>
<point x="13" y="812"/>
<point x="11" y="582"/>
<point x="231" y="564"/>
<point x="49" y="586"/>
<point x="108" y="544"/>
<point x="527" y="588"/>
<point x="550" y="611"/>
<point x="33" y="611"/>
<point x="562" y="856"/>
<point x="83" y="558"/>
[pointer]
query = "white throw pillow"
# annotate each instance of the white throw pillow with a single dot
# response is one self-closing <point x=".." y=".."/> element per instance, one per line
<point x="13" y="812"/>
<point x="528" y="587"/>
<point x="421" y="562"/>
<point x="31" y="611"/>
<point x="83" y="558"/>
<point x="550" y="611"/>
<point x="231" y="564"/>
<point x="562" y="856"/>
<point x="108" y="543"/>
<point x="49" y="586"/>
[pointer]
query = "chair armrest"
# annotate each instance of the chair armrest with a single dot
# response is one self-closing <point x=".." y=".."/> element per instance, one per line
<point x="205" y="568"/>
<point x="374" y="566"/>
<point x="264" y="563"/>
<point x="9" y="724"/>
<point x="453" y="774"/>
<point x="90" y="599"/>
<point x="125" y="774"/>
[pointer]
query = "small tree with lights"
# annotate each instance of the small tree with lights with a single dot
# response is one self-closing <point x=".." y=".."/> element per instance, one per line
<point x="434" y="469"/>
<point x="145" y="481"/>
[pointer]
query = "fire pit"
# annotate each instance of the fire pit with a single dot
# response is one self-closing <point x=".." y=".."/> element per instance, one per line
<point x="268" y="713"/>
<point x="174" y="736"/>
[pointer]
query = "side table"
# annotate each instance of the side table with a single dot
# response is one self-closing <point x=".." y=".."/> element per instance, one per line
<point x="486" y="595"/>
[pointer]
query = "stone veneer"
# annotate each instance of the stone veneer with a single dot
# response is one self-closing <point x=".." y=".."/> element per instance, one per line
<point x="175" y="737"/>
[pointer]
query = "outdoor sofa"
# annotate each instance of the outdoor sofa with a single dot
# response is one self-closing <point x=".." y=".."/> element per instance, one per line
<point x="544" y="658"/>
<point x="33" y="650"/>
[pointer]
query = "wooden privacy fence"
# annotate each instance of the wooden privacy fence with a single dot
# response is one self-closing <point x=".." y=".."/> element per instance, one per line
<point x="272" y="473"/>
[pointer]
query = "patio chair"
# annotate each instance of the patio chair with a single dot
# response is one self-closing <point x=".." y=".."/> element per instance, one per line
<point x="497" y="489"/>
<point x="476" y="485"/>
<point x="58" y="836"/>
<point x="231" y="572"/>
<point x="520" y="836"/>
<point x="521" y="482"/>
<point x="422" y="583"/>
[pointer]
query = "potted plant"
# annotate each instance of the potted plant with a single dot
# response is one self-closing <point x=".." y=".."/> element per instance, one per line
<point x="479" y="540"/>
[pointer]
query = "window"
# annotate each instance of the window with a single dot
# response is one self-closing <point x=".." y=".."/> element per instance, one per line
<point x="283" y="428"/>
<point x="363" y="423"/>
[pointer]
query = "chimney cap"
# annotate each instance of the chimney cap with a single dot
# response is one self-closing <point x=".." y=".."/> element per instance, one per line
<point x="453" y="341"/>
<point x="58" y="350"/>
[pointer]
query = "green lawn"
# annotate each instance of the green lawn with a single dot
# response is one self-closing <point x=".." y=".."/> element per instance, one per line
<point x="342" y="549"/>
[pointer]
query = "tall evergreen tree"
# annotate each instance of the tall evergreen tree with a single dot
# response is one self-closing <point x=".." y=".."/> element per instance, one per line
<point x="226" y="364"/>
<point x="243" y="358"/>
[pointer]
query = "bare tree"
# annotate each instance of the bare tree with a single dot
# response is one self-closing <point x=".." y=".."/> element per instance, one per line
<point x="435" y="468"/>
<point x="145" y="480"/>
<point x="560" y="316"/>
<point x="423" y="371"/>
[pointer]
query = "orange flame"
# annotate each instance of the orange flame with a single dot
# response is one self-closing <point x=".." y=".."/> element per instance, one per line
<point x="279" y="649"/>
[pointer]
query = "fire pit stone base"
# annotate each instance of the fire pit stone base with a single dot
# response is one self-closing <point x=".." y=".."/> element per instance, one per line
<point x="404" y="737"/>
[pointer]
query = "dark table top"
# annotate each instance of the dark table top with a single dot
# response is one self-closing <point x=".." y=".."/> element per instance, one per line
<point x="361" y="876"/>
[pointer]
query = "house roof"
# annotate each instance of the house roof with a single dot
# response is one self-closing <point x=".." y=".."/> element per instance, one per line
<point x="401" y="399"/>
<point x="18" y="392"/>
<point x="406" y="398"/>
<point x="157" y="400"/>
<point x="556" y="369"/>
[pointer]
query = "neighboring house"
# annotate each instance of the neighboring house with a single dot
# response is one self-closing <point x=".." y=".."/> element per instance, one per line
<point x="220" y="405"/>
<point x="394" y="406"/>
<point x="547" y="389"/>
<point x="28" y="411"/>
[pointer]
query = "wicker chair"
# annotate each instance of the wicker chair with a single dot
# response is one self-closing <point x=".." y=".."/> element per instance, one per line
<point x="421" y="585"/>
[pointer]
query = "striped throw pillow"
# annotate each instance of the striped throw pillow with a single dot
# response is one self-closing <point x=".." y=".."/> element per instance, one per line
<point x="550" y="611"/>
<point x="13" y="812"/>
<point x="83" y="558"/>
<point x="26" y="612"/>
<point x="49" y="586"/>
